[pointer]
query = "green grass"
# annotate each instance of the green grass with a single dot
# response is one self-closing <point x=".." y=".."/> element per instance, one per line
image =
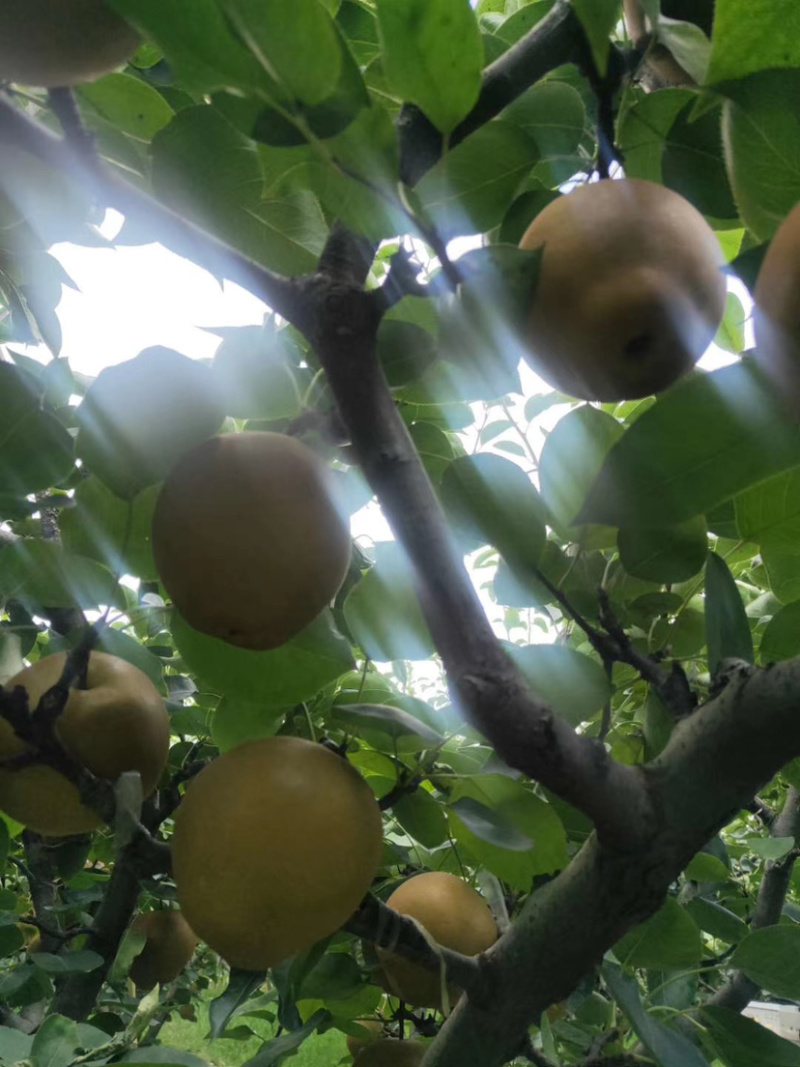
<point x="320" y="1050"/>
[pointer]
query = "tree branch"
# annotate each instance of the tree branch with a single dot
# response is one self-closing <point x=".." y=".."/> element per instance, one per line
<point x="737" y="993"/>
<point x="713" y="765"/>
<point x="527" y="733"/>
<point x="552" y="42"/>
<point x="77" y="996"/>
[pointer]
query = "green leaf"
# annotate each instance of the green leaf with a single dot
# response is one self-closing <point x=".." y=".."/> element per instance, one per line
<point x="728" y="632"/>
<point x="253" y="372"/>
<point x="747" y="40"/>
<point x="336" y="976"/>
<point x="552" y="113"/>
<point x="770" y="507"/>
<point x="490" y="500"/>
<point x="645" y="122"/>
<point x="236" y="721"/>
<point x="139" y="416"/>
<point x="42" y="573"/>
<point x="469" y="189"/>
<point x="161" y="1056"/>
<point x="286" y="235"/>
<point x="576" y="686"/>
<point x="761" y="131"/>
<point x="113" y="531"/>
<point x="693" y="163"/>
<point x="294" y="123"/>
<point x="572" y="456"/>
<point x="490" y="825"/>
<point x="129" y="104"/>
<point x="272" y="1052"/>
<point x="432" y="55"/>
<point x="383" y="612"/>
<point x="670" y="1049"/>
<point x="705" y="439"/>
<point x="422" y="818"/>
<point x="55" y="1043"/>
<point x="5" y="844"/>
<point x="688" y="44"/>
<point x="598" y="18"/>
<point x="730" y="335"/>
<point x="79" y="962"/>
<point x="241" y="986"/>
<point x="781" y="639"/>
<point x="531" y="816"/>
<point x="11" y="939"/>
<point x="198" y="42"/>
<point x="14" y="1045"/>
<point x="706" y="868"/>
<point x="717" y="921"/>
<point x="523" y="19"/>
<point x="770" y="848"/>
<point x="296" y="43"/>
<point x="771" y="957"/>
<point x="665" y="554"/>
<point x="279" y="678"/>
<point x="203" y="166"/>
<point x="669" y="939"/>
<point x="405" y="351"/>
<point x="779" y="552"/>
<point x="658" y="725"/>
<point x="434" y="447"/>
<point x="36" y="451"/>
<point x="360" y="28"/>
<point x="117" y="643"/>
<point x="742" y="1042"/>
<point x="394" y="722"/>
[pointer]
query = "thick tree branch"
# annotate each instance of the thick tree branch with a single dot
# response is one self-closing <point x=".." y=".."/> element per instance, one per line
<point x="737" y="993"/>
<point x="715" y="762"/>
<point x="77" y="996"/>
<point x="552" y="42"/>
<point x="526" y="732"/>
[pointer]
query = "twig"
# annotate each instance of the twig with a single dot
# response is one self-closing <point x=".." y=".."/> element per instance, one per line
<point x="764" y="812"/>
<point x="739" y="990"/>
<point x="672" y="686"/>
<point x="531" y="1053"/>
<point x="401" y="280"/>
<point x="51" y="931"/>
<point x="605" y="87"/>
<point x="64" y="107"/>
<point x="404" y="788"/>
<point x="594" y="1055"/>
